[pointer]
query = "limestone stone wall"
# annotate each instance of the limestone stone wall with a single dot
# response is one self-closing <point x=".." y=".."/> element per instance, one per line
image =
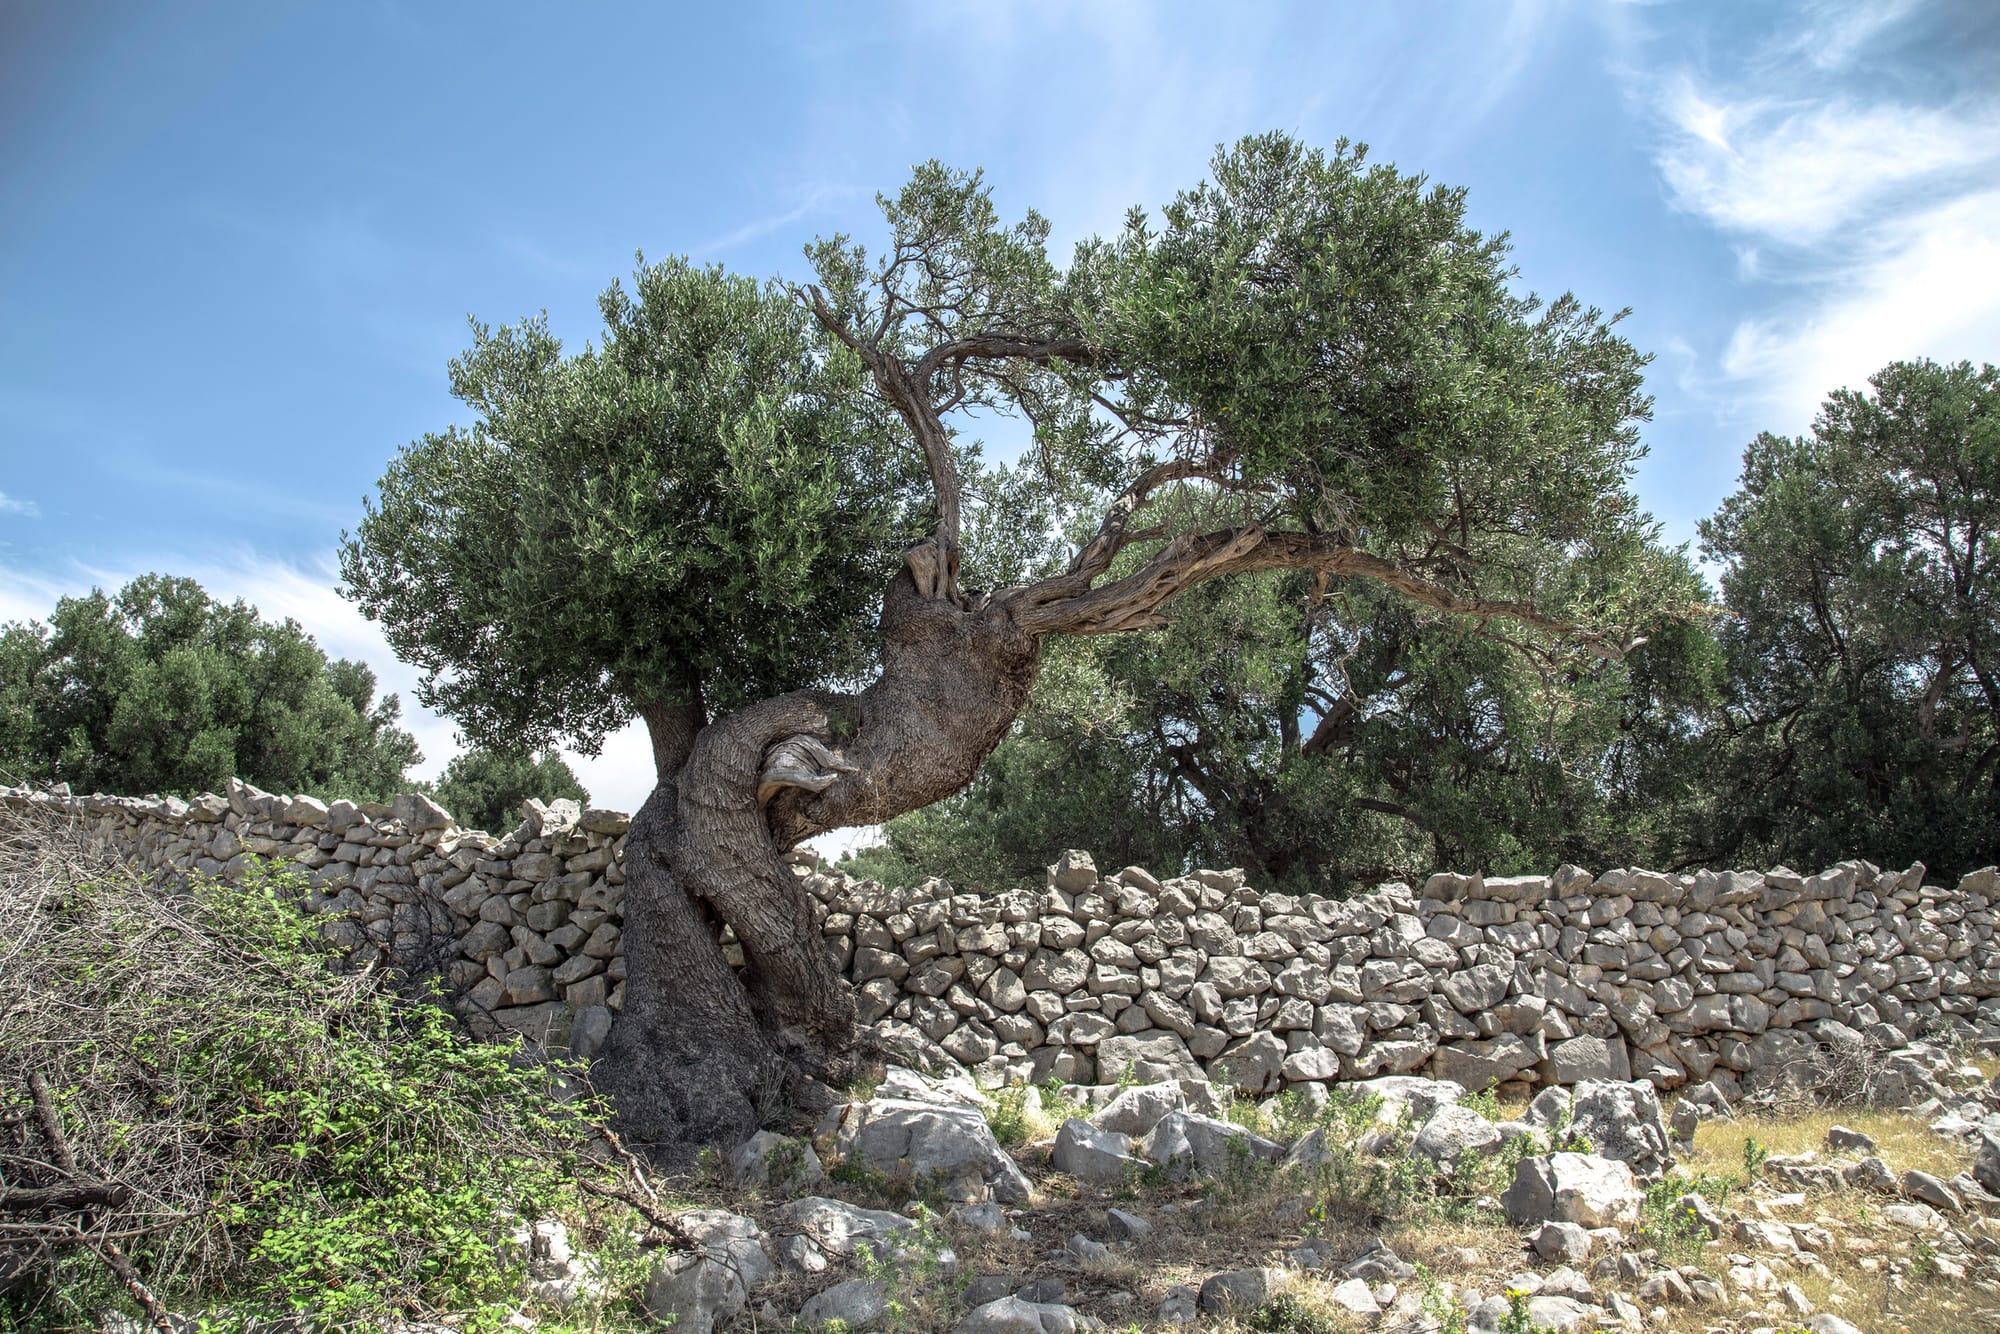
<point x="1731" y="976"/>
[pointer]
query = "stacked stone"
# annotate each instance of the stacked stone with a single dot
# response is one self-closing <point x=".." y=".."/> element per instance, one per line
<point x="1524" y="980"/>
<point x="525" y="928"/>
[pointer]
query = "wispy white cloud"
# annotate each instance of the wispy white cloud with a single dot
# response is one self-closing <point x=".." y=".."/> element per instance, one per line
<point x="1926" y="285"/>
<point x="815" y="198"/>
<point x="1797" y="173"/>
<point x="1836" y="31"/>
<point x="26" y="595"/>
<point x="24" y="509"/>
<point x="1864" y="223"/>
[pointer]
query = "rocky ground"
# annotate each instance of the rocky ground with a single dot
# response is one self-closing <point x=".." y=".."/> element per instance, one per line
<point x="1396" y="1204"/>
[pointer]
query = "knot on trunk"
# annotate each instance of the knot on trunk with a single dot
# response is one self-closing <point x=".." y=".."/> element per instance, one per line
<point x="933" y="568"/>
<point x="800" y="761"/>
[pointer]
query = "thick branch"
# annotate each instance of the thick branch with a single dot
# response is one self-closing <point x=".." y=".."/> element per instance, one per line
<point x="1009" y="347"/>
<point x="1335" y="728"/>
<point x="64" y="1199"/>
<point x="51" y="1122"/>
<point x="1133" y="601"/>
<point x="906" y="393"/>
<point x="1115" y="531"/>
<point x="671" y="728"/>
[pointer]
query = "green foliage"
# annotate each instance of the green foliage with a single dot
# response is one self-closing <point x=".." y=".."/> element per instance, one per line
<point x="484" y="788"/>
<point x="854" y="1172"/>
<point x="1754" y="1154"/>
<point x="1564" y="1137"/>
<point x="700" y="511"/>
<point x="914" y="1275"/>
<point x="1517" y="1319"/>
<point x="1442" y="1305"/>
<point x="1358" y="345"/>
<point x="1863" y="642"/>
<point x="1483" y="1102"/>
<point x="703" y="510"/>
<point x="163" y="689"/>
<point x="1286" y="1314"/>
<point x="296" y="1140"/>
<point x="1006" y="1113"/>
<point x="1674" y="1228"/>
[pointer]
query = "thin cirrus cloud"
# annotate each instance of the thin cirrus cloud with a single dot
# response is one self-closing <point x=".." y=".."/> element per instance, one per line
<point x="19" y="508"/>
<point x="1799" y="174"/>
<point x="1867" y="221"/>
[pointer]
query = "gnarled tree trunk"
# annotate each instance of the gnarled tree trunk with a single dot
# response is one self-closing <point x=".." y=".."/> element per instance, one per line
<point x="702" y="1054"/>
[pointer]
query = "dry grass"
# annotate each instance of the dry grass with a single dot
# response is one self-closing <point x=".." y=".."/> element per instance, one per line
<point x="1879" y="1276"/>
<point x="1906" y="1142"/>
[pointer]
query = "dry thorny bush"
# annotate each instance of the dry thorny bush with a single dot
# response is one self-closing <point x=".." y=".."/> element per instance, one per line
<point x="199" y="1102"/>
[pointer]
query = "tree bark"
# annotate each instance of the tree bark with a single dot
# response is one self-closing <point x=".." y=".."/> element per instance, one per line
<point x="701" y="1053"/>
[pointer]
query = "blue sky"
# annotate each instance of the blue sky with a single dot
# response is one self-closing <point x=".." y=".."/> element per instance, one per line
<point x="238" y="242"/>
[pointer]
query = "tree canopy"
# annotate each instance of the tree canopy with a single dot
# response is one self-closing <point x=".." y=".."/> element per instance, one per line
<point x="759" y="518"/>
<point x="700" y="510"/>
<point x="1842" y="702"/>
<point x="1307" y="362"/>
<point x="1861" y="568"/>
<point x="484" y="788"/>
<point x="164" y="689"/>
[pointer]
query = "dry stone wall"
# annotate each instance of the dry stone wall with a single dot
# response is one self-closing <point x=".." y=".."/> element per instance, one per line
<point x="1733" y="976"/>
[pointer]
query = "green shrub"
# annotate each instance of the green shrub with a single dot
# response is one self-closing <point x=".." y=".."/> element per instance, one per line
<point x="1288" y="1315"/>
<point x="1007" y="1114"/>
<point x="284" y="1135"/>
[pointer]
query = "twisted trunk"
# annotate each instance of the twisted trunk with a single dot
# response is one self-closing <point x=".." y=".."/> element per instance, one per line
<point x="701" y="1053"/>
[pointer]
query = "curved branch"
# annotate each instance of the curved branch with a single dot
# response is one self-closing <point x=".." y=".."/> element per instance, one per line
<point x="907" y="388"/>
<point x="1132" y="602"/>
<point x="902" y="389"/>
<point x="1008" y="347"/>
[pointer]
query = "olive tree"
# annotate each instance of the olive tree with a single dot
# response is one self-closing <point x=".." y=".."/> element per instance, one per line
<point x="1861" y="563"/>
<point x="752" y="516"/>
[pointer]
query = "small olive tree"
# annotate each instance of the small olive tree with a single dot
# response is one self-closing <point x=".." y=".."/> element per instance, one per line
<point x="744" y="518"/>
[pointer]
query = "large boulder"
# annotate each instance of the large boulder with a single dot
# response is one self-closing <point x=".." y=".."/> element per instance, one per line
<point x="697" y="1290"/>
<point x="1986" y="1163"/>
<point x="1241" y="1291"/>
<point x="859" y="1304"/>
<point x="1134" y="1111"/>
<point x="1586" y="1057"/>
<point x="1012" y="1315"/>
<point x="779" y="1162"/>
<point x="939" y="1142"/>
<point x="1452" y="1132"/>
<point x="1254" y="1065"/>
<point x="815" y="1232"/>
<point x="1190" y="1142"/>
<point x="1575" y="1188"/>
<point x="1090" y="1154"/>
<point x="1622" y="1121"/>
<point x="1422" y="1097"/>
<point x="1481" y="1065"/>
<point x="1555" y="1315"/>
<point x="1074" y="872"/>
